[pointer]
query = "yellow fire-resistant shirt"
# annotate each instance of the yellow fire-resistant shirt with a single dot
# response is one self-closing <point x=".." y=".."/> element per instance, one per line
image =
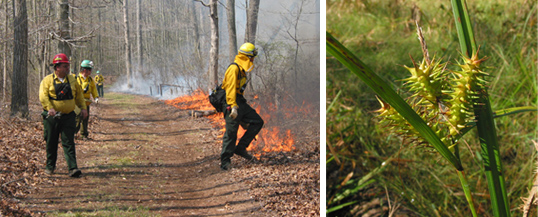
<point x="47" y="90"/>
<point x="231" y="83"/>
<point x="89" y="85"/>
<point x="99" y="79"/>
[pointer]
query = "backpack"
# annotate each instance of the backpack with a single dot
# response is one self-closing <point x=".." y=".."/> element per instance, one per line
<point x="217" y="97"/>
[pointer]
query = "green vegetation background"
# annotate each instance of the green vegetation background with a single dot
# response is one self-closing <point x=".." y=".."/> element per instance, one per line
<point x="382" y="34"/>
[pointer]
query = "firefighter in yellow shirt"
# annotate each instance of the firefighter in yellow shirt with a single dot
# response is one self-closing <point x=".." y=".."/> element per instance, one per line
<point x="88" y="87"/>
<point x="236" y="110"/>
<point x="100" y="82"/>
<point x="59" y="94"/>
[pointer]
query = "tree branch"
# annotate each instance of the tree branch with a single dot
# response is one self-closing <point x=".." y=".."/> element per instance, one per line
<point x="204" y="4"/>
<point x="72" y="41"/>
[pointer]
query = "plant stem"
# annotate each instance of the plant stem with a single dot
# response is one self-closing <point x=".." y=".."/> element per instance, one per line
<point x="467" y="191"/>
<point x="484" y="116"/>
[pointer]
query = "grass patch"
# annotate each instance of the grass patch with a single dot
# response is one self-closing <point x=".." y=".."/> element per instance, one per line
<point x="122" y="100"/>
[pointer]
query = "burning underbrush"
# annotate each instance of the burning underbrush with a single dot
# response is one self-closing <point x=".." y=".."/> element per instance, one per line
<point x="284" y="124"/>
<point x="287" y="180"/>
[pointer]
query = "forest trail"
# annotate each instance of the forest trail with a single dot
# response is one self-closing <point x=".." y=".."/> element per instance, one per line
<point x="147" y="157"/>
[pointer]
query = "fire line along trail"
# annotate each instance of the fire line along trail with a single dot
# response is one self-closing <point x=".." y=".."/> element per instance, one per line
<point x="150" y="158"/>
<point x="272" y="138"/>
<point x="286" y="179"/>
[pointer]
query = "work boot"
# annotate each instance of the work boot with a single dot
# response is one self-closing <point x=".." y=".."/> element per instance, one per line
<point x="225" y="166"/>
<point x="75" y="173"/>
<point x="243" y="153"/>
<point x="49" y="171"/>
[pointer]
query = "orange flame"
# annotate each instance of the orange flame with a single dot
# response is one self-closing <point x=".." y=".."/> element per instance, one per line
<point x="270" y="138"/>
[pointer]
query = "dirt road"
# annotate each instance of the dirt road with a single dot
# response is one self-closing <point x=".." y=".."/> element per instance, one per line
<point x="147" y="158"/>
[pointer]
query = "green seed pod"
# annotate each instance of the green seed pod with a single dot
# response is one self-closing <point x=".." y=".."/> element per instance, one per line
<point x="428" y="81"/>
<point x="467" y="85"/>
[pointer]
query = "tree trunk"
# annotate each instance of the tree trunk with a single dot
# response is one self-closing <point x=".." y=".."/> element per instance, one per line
<point x="63" y="16"/>
<point x="139" y="37"/>
<point x="232" y="40"/>
<point x="252" y="21"/>
<point x="4" y="80"/>
<point x="73" y="57"/>
<point x="297" y="44"/>
<point x="214" y="51"/>
<point x="194" y="21"/>
<point x="252" y="24"/>
<point x="44" y="61"/>
<point x="127" y="44"/>
<point x="19" y="93"/>
<point x="99" y="51"/>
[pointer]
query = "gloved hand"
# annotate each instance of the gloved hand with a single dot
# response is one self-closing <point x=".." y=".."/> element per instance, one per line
<point x="51" y="112"/>
<point x="97" y="100"/>
<point x="233" y="114"/>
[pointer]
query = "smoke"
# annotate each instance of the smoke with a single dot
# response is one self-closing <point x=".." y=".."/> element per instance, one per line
<point x="288" y="38"/>
<point x="155" y="86"/>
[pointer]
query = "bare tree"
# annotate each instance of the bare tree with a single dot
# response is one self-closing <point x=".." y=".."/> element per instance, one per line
<point x="295" y="38"/>
<point x="214" y="50"/>
<point x="139" y="36"/>
<point x="232" y="40"/>
<point x="252" y="21"/>
<point x="4" y="80"/>
<point x="194" y="22"/>
<point x="127" y="44"/>
<point x="63" y="17"/>
<point x="19" y="96"/>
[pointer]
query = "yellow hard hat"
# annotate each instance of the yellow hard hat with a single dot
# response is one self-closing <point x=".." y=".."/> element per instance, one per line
<point x="248" y="49"/>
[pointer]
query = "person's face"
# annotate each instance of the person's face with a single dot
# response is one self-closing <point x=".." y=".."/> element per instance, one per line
<point x="251" y="59"/>
<point x="62" y="69"/>
<point x="86" y="72"/>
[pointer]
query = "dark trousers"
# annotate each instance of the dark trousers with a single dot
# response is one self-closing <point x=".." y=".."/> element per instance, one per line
<point x="245" y="114"/>
<point x="82" y="124"/>
<point x="100" y="90"/>
<point x="54" y="127"/>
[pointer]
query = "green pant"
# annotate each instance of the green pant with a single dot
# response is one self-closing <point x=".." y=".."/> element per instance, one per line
<point x="100" y="91"/>
<point x="53" y="127"/>
<point x="82" y="124"/>
<point x="245" y="114"/>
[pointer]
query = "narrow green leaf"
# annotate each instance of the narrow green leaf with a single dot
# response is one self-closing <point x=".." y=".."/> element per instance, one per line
<point x="515" y="110"/>
<point x="498" y="114"/>
<point x="363" y="182"/>
<point x="467" y="191"/>
<point x="332" y="209"/>
<point x="484" y="115"/>
<point x="464" y="27"/>
<point x="383" y="89"/>
<point x="334" y="102"/>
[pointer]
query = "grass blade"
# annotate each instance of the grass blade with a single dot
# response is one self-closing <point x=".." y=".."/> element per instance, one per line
<point x="464" y="27"/>
<point x="510" y="111"/>
<point x="484" y="115"/>
<point x="332" y="209"/>
<point x="467" y="191"/>
<point x="334" y="102"/>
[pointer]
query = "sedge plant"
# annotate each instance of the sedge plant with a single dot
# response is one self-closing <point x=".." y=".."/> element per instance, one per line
<point x="444" y="106"/>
